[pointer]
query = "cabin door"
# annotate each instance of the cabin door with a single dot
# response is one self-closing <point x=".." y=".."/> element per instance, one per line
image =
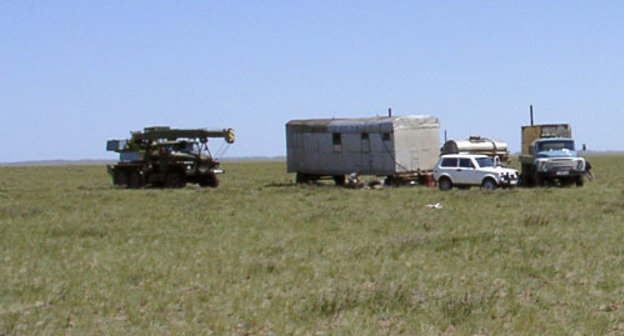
<point x="365" y="153"/>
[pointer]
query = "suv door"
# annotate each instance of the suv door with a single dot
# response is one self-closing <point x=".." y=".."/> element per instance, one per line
<point x="448" y="166"/>
<point x="466" y="172"/>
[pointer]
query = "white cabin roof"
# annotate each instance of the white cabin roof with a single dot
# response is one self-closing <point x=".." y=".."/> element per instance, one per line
<point x="355" y="125"/>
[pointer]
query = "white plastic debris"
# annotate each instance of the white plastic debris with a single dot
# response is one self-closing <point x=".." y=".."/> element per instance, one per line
<point x="433" y="206"/>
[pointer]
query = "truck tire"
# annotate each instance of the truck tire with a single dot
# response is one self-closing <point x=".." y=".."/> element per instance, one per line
<point x="214" y="182"/>
<point x="528" y="175"/>
<point x="174" y="180"/>
<point x="539" y="179"/>
<point x="579" y="181"/>
<point x="489" y="184"/>
<point x="121" y="179"/>
<point x="135" y="180"/>
<point x="209" y="181"/>
<point x="445" y="183"/>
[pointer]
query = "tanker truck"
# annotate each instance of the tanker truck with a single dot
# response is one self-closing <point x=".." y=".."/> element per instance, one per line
<point x="165" y="157"/>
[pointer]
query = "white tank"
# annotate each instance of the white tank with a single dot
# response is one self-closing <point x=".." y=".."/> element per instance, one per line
<point x="477" y="145"/>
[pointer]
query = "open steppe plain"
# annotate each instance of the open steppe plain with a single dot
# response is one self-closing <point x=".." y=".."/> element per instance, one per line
<point x="263" y="256"/>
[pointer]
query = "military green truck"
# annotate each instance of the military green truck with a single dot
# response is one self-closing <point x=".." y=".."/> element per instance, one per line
<point x="167" y="157"/>
<point x="549" y="156"/>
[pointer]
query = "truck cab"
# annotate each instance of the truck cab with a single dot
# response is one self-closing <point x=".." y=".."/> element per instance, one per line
<point x="557" y="159"/>
<point x="552" y="159"/>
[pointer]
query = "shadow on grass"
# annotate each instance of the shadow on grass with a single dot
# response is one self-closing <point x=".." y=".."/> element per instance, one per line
<point x="293" y="184"/>
<point x="280" y="185"/>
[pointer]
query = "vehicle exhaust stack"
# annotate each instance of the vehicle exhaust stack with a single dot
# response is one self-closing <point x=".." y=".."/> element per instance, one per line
<point x="531" y="108"/>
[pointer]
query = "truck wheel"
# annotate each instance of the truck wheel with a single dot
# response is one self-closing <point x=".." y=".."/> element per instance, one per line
<point x="173" y="180"/>
<point x="339" y="179"/>
<point x="527" y="176"/>
<point x="579" y="181"/>
<point x="209" y="181"/>
<point x="135" y="181"/>
<point x="527" y="180"/>
<point x="539" y="180"/>
<point x="445" y="183"/>
<point x="489" y="184"/>
<point x="121" y="179"/>
<point x="214" y="182"/>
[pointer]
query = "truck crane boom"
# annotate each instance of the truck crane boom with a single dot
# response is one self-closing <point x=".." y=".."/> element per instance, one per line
<point x="164" y="132"/>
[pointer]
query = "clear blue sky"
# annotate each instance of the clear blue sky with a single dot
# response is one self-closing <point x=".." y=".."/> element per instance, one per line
<point x="76" y="73"/>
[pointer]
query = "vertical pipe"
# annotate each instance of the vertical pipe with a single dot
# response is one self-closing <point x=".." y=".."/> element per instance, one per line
<point x="389" y="112"/>
<point x="531" y="107"/>
<point x="444" y="136"/>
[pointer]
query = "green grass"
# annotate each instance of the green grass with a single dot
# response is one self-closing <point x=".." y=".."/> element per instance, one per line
<point x="262" y="256"/>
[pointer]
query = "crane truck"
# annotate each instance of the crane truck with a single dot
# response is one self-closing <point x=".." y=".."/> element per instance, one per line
<point x="161" y="156"/>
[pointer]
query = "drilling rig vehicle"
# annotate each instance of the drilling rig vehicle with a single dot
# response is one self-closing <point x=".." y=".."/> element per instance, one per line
<point x="165" y="157"/>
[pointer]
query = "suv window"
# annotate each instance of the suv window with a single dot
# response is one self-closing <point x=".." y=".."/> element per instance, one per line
<point x="485" y="162"/>
<point x="449" y="162"/>
<point x="465" y="163"/>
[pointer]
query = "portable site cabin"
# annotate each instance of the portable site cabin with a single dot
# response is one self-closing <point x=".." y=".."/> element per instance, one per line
<point x="390" y="146"/>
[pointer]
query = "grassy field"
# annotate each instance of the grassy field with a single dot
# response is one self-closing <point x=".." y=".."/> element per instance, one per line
<point x="262" y="256"/>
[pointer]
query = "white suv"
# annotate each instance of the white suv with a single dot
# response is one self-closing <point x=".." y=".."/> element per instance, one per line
<point x="465" y="170"/>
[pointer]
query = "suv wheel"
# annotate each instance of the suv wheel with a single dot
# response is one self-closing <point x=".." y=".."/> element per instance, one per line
<point x="489" y="184"/>
<point x="445" y="184"/>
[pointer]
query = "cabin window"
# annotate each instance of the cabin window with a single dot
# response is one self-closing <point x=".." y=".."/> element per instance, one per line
<point x="337" y="141"/>
<point x="365" y="142"/>
<point x="385" y="137"/>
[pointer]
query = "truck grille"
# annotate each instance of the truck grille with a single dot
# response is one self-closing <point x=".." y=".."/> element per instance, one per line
<point x="560" y="164"/>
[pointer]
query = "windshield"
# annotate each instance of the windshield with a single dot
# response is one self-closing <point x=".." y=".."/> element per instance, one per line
<point x="485" y="162"/>
<point x="556" y="146"/>
<point x="190" y="147"/>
